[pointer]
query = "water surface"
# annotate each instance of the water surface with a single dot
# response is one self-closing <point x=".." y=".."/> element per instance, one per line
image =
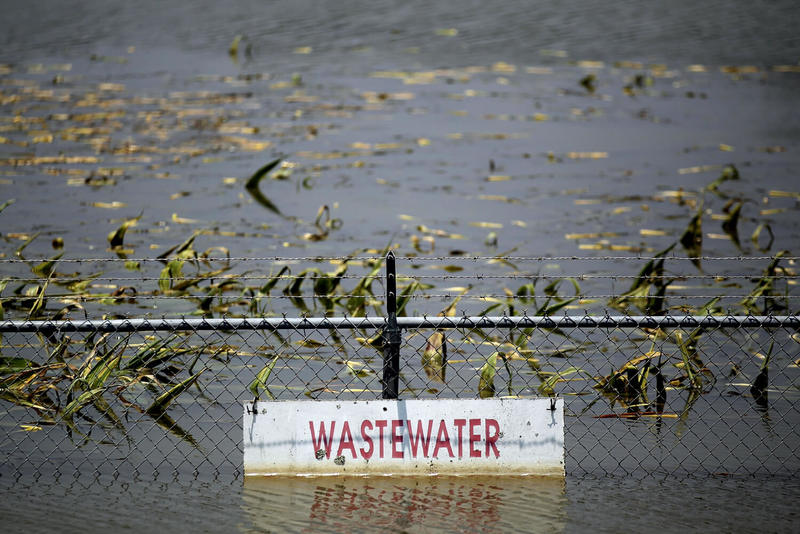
<point x="396" y="115"/>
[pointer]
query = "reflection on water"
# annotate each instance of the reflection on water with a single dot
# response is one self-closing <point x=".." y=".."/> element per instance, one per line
<point x="421" y="504"/>
<point x="459" y="504"/>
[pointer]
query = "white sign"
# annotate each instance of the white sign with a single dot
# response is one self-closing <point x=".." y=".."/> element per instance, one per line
<point x="454" y="436"/>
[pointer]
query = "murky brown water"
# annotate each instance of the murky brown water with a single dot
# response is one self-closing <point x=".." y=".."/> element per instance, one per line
<point x="396" y="116"/>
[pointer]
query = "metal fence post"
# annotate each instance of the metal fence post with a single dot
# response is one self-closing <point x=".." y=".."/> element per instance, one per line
<point x="391" y="335"/>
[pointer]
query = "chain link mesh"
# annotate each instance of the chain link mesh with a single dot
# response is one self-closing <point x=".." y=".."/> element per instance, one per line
<point x="643" y="395"/>
<point x="682" y="399"/>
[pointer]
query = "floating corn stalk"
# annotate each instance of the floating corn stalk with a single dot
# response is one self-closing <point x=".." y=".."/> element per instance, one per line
<point x="730" y="172"/>
<point x="260" y="382"/>
<point x="162" y="402"/>
<point x="251" y="186"/>
<point x="486" y="387"/>
<point x="731" y="224"/>
<point x="434" y="358"/>
<point x="117" y="237"/>
<point x="759" y="387"/>
<point x="692" y="238"/>
<point x="651" y="277"/>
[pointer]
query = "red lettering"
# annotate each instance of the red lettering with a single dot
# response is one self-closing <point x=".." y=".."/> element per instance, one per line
<point x="420" y="437"/>
<point x="327" y="440"/>
<point x="346" y="441"/>
<point x="367" y="454"/>
<point x="491" y="439"/>
<point x="474" y="437"/>
<point x="381" y="424"/>
<point x="397" y="437"/>
<point x="442" y="440"/>
<point x="460" y="424"/>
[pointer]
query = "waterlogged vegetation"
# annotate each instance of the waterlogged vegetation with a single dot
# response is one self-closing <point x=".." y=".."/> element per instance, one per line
<point x="87" y="384"/>
<point x="173" y="186"/>
<point x="78" y="376"/>
<point x="665" y="360"/>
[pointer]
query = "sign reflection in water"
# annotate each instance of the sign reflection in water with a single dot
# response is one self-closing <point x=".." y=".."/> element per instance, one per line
<point x="412" y="504"/>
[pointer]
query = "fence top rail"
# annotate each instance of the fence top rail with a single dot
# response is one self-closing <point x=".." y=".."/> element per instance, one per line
<point x="333" y="323"/>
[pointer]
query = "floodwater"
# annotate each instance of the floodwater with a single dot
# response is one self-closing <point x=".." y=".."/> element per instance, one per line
<point x="428" y="504"/>
<point x="390" y="113"/>
<point x="428" y="125"/>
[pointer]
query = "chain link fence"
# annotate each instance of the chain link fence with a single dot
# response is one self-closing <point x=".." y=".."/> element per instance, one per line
<point x="658" y="393"/>
<point x="643" y="394"/>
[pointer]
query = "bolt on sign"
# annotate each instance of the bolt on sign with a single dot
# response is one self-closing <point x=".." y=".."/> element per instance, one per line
<point x="454" y="436"/>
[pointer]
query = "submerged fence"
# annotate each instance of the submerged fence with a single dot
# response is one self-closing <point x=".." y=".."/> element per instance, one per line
<point x="654" y="393"/>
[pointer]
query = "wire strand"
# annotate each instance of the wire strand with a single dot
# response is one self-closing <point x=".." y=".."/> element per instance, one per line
<point x="414" y="259"/>
<point x="413" y="296"/>
<point x="209" y="259"/>
<point x="519" y="276"/>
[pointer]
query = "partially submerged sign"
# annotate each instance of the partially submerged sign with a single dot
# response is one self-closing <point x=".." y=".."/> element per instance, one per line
<point x="458" y="436"/>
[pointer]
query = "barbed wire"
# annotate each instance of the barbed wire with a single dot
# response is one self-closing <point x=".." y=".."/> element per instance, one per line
<point x="198" y="258"/>
<point x="179" y="297"/>
<point x="607" y="296"/>
<point x="199" y="278"/>
<point x="412" y="296"/>
<point x="596" y="258"/>
<point x="592" y="296"/>
<point x="286" y="259"/>
<point x="593" y="276"/>
<point x="519" y="276"/>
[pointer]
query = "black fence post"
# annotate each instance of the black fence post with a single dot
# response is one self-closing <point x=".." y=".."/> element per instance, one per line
<point x="391" y="335"/>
